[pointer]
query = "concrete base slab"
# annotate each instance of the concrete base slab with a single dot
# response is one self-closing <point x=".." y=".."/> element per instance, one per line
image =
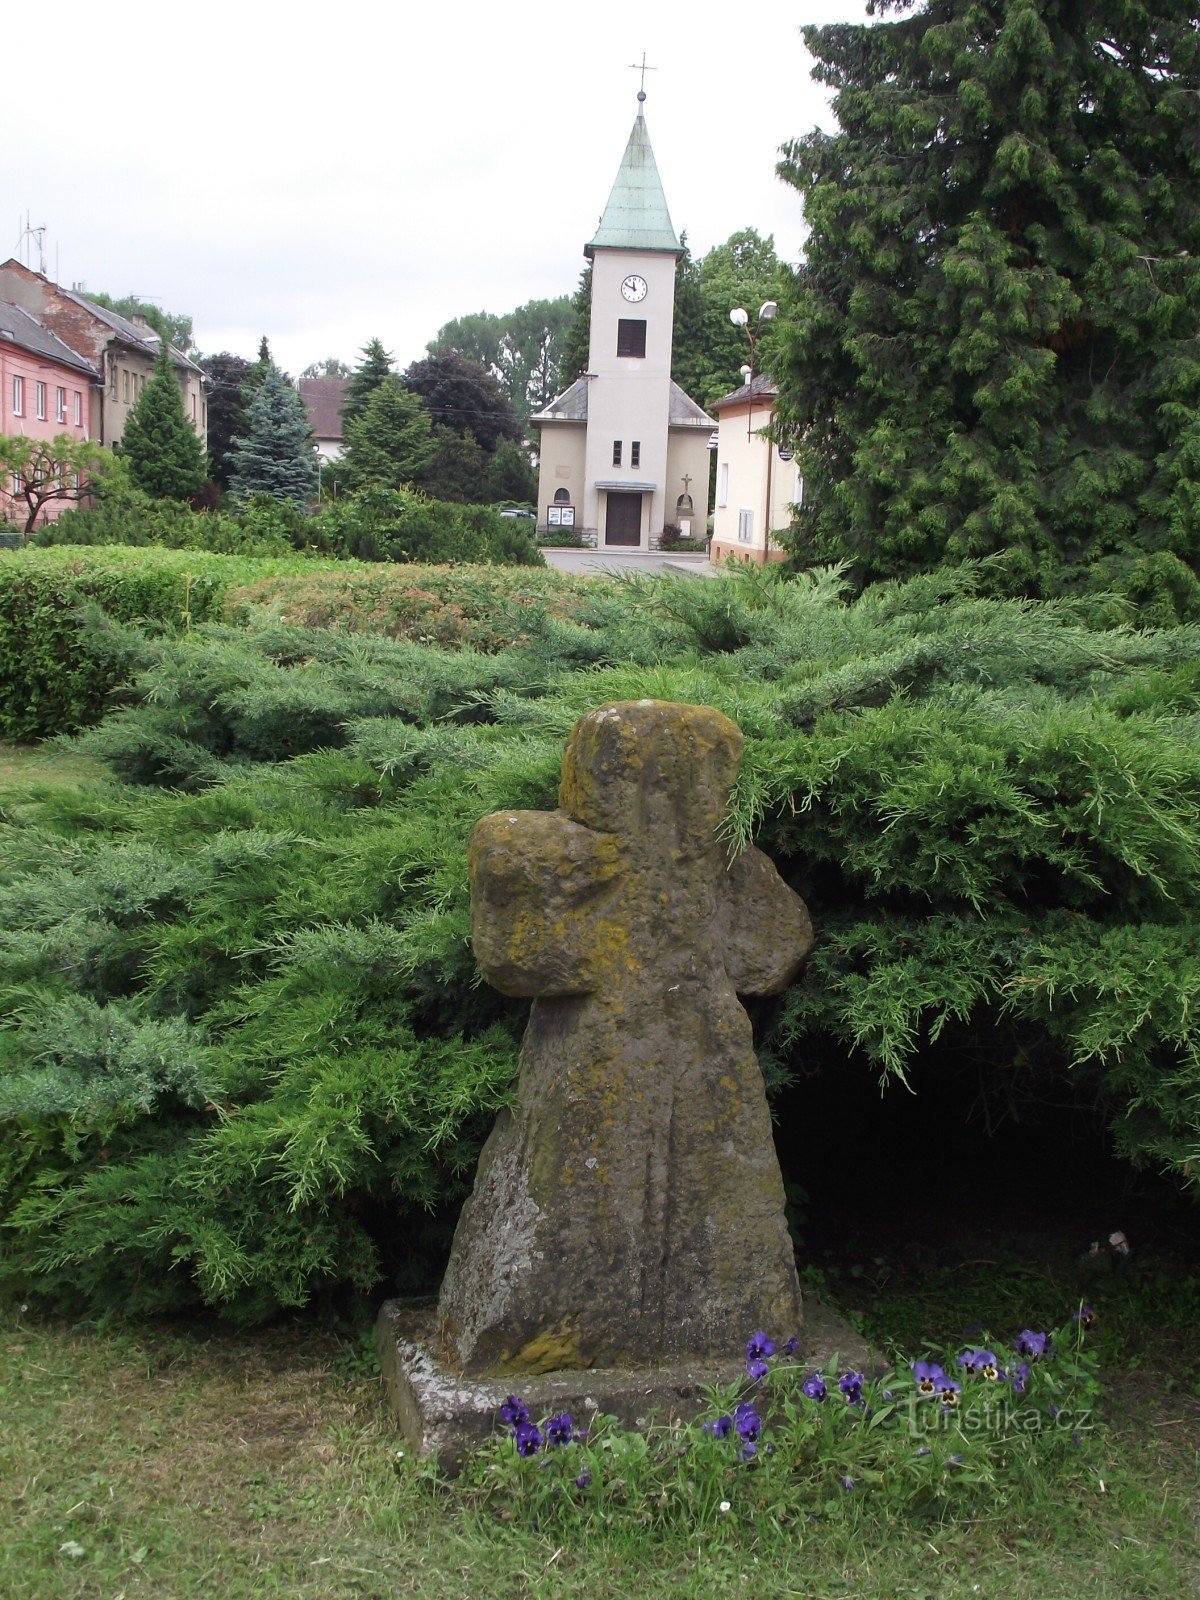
<point x="444" y="1415"/>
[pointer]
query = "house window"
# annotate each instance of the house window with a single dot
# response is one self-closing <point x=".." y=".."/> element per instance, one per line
<point x="616" y="452"/>
<point x="635" y="453"/>
<point x="125" y="387"/>
<point x="631" y="337"/>
<point x="112" y="378"/>
<point x="18" y="397"/>
<point x="60" y="404"/>
<point x="745" y="526"/>
<point x="193" y="408"/>
<point x="723" y="484"/>
<point x="40" y="397"/>
<point x="78" y="409"/>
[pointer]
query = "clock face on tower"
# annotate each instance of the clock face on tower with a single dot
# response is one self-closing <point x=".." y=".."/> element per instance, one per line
<point x="634" y="287"/>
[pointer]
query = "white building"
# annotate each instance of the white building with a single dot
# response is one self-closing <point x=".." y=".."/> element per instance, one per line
<point x="757" y="481"/>
<point x="624" y="452"/>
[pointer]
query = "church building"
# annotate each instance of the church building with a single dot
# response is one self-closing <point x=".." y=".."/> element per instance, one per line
<point x="624" y="452"/>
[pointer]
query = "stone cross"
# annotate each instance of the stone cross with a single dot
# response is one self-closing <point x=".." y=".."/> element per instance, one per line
<point x="630" y="1209"/>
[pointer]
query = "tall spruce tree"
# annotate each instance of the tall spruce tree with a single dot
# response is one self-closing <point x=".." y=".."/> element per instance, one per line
<point x="275" y="457"/>
<point x="159" y="444"/>
<point x="391" y="443"/>
<point x="992" y="345"/>
<point x="374" y="369"/>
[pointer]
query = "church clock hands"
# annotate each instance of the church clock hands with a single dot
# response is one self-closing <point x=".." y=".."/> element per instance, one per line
<point x="634" y="287"/>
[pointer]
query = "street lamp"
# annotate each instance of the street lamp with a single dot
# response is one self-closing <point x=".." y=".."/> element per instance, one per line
<point x="741" y="319"/>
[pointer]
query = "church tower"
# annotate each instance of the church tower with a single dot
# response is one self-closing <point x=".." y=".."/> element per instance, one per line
<point x="622" y="448"/>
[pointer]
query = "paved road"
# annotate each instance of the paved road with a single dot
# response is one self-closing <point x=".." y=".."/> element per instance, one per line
<point x="591" y="562"/>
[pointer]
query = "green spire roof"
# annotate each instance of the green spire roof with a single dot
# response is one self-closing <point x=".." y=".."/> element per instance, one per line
<point x="636" y="216"/>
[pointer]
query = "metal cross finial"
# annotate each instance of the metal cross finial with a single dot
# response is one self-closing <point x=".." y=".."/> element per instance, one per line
<point x="643" y="69"/>
<point x="687" y="482"/>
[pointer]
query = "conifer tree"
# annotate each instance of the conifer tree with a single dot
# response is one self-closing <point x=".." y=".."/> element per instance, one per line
<point x="374" y="369"/>
<point x="159" y="443"/>
<point x="275" y="457"/>
<point x="391" y="443"/>
<point x="992" y="345"/>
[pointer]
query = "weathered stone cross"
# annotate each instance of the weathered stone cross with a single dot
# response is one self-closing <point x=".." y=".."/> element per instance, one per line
<point x="630" y="1209"/>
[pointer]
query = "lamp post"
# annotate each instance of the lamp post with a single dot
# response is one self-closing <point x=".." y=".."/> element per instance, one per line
<point x="741" y="319"/>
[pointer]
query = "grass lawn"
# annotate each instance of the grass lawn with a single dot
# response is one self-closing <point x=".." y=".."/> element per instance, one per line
<point x="215" y="1467"/>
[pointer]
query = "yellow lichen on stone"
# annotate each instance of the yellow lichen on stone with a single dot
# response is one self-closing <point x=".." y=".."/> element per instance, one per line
<point x="555" y="1350"/>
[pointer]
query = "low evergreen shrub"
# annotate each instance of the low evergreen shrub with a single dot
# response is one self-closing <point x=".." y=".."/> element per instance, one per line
<point x="244" y="1056"/>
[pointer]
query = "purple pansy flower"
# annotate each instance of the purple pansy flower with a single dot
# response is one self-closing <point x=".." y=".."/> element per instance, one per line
<point x="1019" y="1377"/>
<point x="514" y="1411"/>
<point x="1031" y="1345"/>
<point x="846" y="1482"/>
<point x="721" y="1428"/>
<point x="747" y="1422"/>
<point x="528" y="1437"/>
<point x="757" y="1369"/>
<point x="928" y="1374"/>
<point x="851" y="1383"/>
<point x="584" y="1479"/>
<point x="948" y="1391"/>
<point x="558" y="1429"/>
<point x="749" y="1450"/>
<point x="790" y="1347"/>
<point x="814" y="1387"/>
<point x="982" y="1362"/>
<point x="1085" y="1316"/>
<point x="759" y="1347"/>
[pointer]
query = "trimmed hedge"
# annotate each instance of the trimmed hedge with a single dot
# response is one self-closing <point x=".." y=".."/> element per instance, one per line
<point x="59" y="673"/>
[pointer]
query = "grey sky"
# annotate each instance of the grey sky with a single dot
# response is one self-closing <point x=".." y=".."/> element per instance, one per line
<point x="329" y="174"/>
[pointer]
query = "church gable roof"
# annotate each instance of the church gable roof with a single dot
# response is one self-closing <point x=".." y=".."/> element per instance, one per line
<point x="572" y="406"/>
<point x="636" y="216"/>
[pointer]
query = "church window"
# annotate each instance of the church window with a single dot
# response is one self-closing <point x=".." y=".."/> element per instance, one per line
<point x="635" y="453"/>
<point x="616" y="452"/>
<point x="562" y="497"/>
<point x="631" y="337"/>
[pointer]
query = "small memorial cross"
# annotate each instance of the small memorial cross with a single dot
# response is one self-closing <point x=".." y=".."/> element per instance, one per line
<point x="630" y="1209"/>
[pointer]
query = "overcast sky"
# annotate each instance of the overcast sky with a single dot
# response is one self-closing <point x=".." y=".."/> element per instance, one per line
<point x="326" y="175"/>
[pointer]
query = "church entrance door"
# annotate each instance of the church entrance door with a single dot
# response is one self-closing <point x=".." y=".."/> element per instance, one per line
<point x="623" y="519"/>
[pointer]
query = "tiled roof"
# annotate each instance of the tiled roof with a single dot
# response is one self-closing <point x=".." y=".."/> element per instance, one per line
<point x="323" y="400"/>
<point x="129" y="332"/>
<point x="763" y="387"/>
<point x="636" y="216"/>
<point x="572" y="406"/>
<point x="28" y="333"/>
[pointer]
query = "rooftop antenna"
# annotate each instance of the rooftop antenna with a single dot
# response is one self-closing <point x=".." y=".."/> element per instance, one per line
<point x="27" y="238"/>
<point x="643" y="69"/>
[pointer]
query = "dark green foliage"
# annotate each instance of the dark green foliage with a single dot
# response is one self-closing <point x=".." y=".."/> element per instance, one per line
<point x="247" y="1051"/>
<point x="381" y="524"/>
<point x="464" y="397"/>
<point x="373" y="370"/>
<point x="574" y="359"/>
<point x="175" y="327"/>
<point x="275" y="457"/>
<point x="991" y="348"/>
<point x="121" y="515"/>
<point x="709" y="351"/>
<point x="227" y="416"/>
<point x="389" y="443"/>
<point x="159" y="444"/>
<point x="521" y="349"/>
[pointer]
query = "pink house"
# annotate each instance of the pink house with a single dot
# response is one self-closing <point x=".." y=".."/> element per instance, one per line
<point x="45" y="388"/>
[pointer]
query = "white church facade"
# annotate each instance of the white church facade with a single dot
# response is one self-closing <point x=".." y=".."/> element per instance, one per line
<point x="624" y="452"/>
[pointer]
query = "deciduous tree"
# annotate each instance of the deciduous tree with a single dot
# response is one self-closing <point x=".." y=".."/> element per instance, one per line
<point x="461" y="395"/>
<point x="40" y="472"/>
